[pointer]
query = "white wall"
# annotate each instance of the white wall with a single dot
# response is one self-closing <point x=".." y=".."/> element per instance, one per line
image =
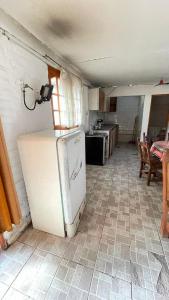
<point x="140" y="90"/>
<point x="18" y="66"/>
<point x="93" y="116"/>
<point x="126" y="112"/>
<point x="140" y="114"/>
<point x="127" y="109"/>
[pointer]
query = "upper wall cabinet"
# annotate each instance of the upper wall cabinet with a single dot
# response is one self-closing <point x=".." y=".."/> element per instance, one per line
<point x="96" y="99"/>
<point x="113" y="104"/>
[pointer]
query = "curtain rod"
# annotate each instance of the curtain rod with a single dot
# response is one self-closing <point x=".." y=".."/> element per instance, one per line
<point x="33" y="51"/>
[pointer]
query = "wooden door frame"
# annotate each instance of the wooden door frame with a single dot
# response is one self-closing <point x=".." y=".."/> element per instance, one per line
<point x="3" y="243"/>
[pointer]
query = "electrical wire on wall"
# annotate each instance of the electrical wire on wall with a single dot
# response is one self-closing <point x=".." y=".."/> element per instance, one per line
<point x="45" y="95"/>
<point x="24" y="97"/>
<point x="43" y="57"/>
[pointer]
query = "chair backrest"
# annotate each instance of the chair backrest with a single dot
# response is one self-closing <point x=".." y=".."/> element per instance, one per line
<point x="139" y="148"/>
<point x="145" y="149"/>
<point x="147" y="139"/>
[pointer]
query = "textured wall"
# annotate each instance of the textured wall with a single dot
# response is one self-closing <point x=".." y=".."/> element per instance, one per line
<point x="127" y="109"/>
<point x="18" y="66"/>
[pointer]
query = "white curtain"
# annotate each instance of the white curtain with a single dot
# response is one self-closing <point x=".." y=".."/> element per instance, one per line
<point x="85" y="109"/>
<point x="70" y="90"/>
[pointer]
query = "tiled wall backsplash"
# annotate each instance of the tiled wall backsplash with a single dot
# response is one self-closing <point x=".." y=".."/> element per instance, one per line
<point x="127" y="109"/>
<point x="94" y="115"/>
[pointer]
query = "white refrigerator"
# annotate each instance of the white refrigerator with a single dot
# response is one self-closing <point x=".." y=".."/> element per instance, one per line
<point x="54" y="170"/>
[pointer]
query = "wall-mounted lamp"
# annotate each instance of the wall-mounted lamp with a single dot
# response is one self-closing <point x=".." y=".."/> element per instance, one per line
<point x="45" y="94"/>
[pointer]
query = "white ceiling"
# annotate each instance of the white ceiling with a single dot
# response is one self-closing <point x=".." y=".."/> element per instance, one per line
<point x="112" y="42"/>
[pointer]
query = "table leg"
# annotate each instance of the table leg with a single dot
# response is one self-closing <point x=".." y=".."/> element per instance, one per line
<point x="165" y="205"/>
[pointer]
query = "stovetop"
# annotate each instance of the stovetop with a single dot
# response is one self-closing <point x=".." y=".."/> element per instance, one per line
<point x="96" y="134"/>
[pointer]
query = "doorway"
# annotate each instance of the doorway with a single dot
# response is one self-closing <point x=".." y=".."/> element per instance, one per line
<point x="159" y="117"/>
<point x="128" y="115"/>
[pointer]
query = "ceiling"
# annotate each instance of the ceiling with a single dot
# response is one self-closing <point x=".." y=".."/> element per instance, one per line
<point x="112" y="42"/>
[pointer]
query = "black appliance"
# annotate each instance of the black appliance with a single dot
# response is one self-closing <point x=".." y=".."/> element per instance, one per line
<point x="96" y="146"/>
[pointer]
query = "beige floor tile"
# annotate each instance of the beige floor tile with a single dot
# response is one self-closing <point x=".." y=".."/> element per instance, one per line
<point x="149" y="270"/>
<point x="35" y="278"/>
<point x="92" y="224"/>
<point x="54" y="244"/>
<point x="139" y="293"/>
<point x="3" y="289"/>
<point x="96" y="207"/>
<point x="12" y="261"/>
<point x="32" y="237"/>
<point x="122" y="214"/>
<point x="83" y="249"/>
<point x="72" y="281"/>
<point x="107" y="287"/>
<point x="113" y="258"/>
<point x="13" y="294"/>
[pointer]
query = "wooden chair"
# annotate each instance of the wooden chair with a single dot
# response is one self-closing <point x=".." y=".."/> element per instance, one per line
<point x="148" y="163"/>
<point x="147" y="139"/>
<point x="144" y="137"/>
<point x="142" y="162"/>
<point x="159" y="137"/>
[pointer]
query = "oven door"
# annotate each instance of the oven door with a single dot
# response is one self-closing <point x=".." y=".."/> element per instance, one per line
<point x="95" y="150"/>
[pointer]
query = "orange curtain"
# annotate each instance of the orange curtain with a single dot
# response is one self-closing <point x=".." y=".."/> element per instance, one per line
<point x="9" y="207"/>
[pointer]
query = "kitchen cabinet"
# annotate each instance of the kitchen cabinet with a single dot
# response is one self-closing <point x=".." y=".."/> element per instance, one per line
<point x="113" y="104"/>
<point x="96" y="99"/>
<point x="110" y="104"/>
<point x="112" y="140"/>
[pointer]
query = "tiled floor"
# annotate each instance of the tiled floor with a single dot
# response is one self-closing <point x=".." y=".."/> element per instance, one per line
<point x="117" y="253"/>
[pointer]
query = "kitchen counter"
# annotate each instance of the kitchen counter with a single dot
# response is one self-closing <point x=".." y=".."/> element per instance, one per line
<point x="107" y="127"/>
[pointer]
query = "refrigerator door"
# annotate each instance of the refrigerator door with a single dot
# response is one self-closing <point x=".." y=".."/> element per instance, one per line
<point x="71" y="153"/>
<point x="41" y="175"/>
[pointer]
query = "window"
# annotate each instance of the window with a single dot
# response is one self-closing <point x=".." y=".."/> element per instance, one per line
<point x="66" y="99"/>
<point x="54" y="75"/>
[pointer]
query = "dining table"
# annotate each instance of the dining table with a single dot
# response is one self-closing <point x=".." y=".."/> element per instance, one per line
<point x="161" y="150"/>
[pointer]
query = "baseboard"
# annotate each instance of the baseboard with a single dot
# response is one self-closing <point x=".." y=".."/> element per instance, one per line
<point x="12" y="236"/>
